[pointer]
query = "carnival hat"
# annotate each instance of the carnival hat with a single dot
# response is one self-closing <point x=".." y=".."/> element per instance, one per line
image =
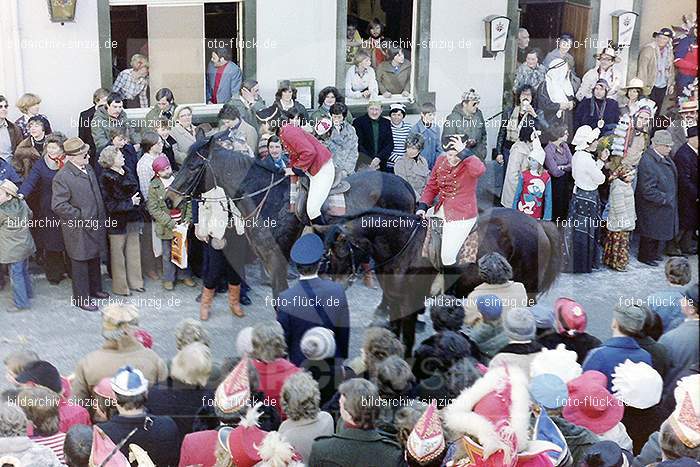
<point x="307" y="250"/>
<point x="610" y="52"/>
<point x="75" y="147"/>
<point x="129" y="381"/>
<point x="559" y="362"/>
<point x="591" y="405"/>
<point x="688" y="106"/>
<point x="584" y="136"/>
<point x="104" y="389"/>
<point x="102" y="448"/>
<point x="233" y="393"/>
<point x="241" y="442"/>
<point x="685" y="419"/>
<point x="569" y="316"/>
<point x="426" y="443"/>
<point x="323" y="126"/>
<point x="318" y="343"/>
<point x="638" y="385"/>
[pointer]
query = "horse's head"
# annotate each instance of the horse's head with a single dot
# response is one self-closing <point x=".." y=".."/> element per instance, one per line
<point x="339" y="260"/>
<point x="190" y="179"/>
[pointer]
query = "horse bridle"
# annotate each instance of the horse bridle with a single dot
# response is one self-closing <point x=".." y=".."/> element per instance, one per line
<point x="195" y="181"/>
<point x="356" y="266"/>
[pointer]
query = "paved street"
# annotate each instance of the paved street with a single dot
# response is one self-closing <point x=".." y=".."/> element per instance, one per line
<point x="61" y="333"/>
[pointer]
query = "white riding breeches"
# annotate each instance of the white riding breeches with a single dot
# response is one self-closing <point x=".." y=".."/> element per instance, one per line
<point x="454" y="233"/>
<point x="319" y="187"/>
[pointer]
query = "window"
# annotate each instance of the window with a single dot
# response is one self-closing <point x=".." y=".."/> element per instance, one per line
<point x="177" y="36"/>
<point x="401" y="20"/>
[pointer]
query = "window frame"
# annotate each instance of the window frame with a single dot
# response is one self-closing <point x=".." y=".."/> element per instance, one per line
<point x="420" y="59"/>
<point x="201" y="111"/>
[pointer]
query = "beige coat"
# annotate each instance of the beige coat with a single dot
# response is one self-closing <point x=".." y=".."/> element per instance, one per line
<point x="517" y="163"/>
<point x="512" y="295"/>
<point x="414" y="171"/>
<point x="621" y="214"/>
<point x="112" y="356"/>
<point x="646" y="65"/>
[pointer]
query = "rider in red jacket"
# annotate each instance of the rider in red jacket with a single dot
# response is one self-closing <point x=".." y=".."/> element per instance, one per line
<point x="453" y="181"/>
<point x="307" y="156"/>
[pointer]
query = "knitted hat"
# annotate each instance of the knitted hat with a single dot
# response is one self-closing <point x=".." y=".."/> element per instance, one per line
<point x="560" y="362"/>
<point x="160" y="163"/>
<point x="129" y="381"/>
<point x="519" y="324"/>
<point x="590" y="405"/>
<point x="41" y="373"/>
<point x="318" y="343"/>
<point x="549" y="391"/>
<point x="471" y="95"/>
<point x="685" y="419"/>
<point x="489" y="306"/>
<point x="638" y="385"/>
<point x="662" y="138"/>
<point x="569" y="316"/>
<point x="426" y="441"/>
<point x="102" y="448"/>
<point x="630" y="317"/>
<point x="544" y="316"/>
<point x="234" y="391"/>
<point x="244" y="341"/>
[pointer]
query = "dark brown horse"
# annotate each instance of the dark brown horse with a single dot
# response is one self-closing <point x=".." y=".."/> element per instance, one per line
<point x="261" y="193"/>
<point x="395" y="240"/>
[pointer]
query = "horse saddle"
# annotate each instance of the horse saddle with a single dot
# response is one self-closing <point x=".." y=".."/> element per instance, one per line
<point x="433" y="241"/>
<point x="334" y="204"/>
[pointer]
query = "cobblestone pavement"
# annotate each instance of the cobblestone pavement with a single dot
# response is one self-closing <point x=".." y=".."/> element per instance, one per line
<point x="62" y="334"/>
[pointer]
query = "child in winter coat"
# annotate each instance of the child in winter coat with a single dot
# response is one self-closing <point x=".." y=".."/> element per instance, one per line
<point x="165" y="220"/>
<point x="16" y="243"/>
<point x="533" y="195"/>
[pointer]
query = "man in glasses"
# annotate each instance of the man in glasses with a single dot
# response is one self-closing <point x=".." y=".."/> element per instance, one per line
<point x="10" y="134"/>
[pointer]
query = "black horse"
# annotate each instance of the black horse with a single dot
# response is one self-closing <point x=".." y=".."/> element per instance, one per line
<point x="395" y="241"/>
<point x="261" y="193"/>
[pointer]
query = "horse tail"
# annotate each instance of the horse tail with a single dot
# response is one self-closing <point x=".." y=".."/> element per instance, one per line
<point x="551" y="271"/>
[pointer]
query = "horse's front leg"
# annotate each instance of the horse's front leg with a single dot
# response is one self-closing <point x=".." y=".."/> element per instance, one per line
<point x="278" y="274"/>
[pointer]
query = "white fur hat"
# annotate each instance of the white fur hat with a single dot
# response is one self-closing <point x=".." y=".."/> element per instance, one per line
<point x="638" y="385"/>
<point x="558" y="362"/>
<point x="584" y="136"/>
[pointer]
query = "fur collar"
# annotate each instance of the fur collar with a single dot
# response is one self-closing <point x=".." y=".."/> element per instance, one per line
<point x="461" y="418"/>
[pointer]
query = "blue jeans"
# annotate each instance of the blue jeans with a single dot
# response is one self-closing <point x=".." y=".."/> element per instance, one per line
<point x="21" y="283"/>
<point x="170" y="271"/>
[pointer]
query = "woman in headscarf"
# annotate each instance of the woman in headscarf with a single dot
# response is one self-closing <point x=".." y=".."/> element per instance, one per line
<point x="556" y="95"/>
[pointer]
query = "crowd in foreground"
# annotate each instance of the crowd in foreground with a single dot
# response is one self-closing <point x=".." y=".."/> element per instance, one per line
<point x="500" y="385"/>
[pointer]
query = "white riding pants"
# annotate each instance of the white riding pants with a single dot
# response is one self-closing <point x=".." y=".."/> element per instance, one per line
<point x="454" y="233"/>
<point x="319" y="187"/>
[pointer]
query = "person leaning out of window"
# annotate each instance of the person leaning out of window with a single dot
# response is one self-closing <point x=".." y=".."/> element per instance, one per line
<point x="394" y="74"/>
<point x="132" y="83"/>
<point x="360" y="80"/>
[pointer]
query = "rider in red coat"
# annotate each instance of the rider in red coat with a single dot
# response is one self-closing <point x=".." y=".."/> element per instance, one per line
<point x="307" y="156"/>
<point x="453" y="181"/>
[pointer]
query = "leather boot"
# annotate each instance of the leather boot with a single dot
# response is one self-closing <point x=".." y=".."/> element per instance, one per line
<point x="234" y="300"/>
<point x="205" y="303"/>
<point x="368" y="278"/>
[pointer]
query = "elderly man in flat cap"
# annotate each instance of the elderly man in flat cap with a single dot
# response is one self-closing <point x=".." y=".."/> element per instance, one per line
<point x="77" y="201"/>
<point x="120" y="348"/>
<point x="656" y="198"/>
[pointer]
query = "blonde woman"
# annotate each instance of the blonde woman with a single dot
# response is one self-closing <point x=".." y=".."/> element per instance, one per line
<point x="28" y="104"/>
<point x="360" y="80"/>
<point x="132" y="83"/>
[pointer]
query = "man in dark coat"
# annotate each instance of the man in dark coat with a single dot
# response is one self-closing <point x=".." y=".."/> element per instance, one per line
<point x="656" y="198"/>
<point x="686" y="160"/>
<point x="77" y="201"/>
<point x="99" y="98"/>
<point x="375" y="141"/>
<point x="357" y="442"/>
<point x="598" y="111"/>
<point x="312" y="302"/>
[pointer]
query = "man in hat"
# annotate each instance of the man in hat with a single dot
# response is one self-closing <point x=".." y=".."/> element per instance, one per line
<point x="357" y="442"/>
<point x="605" y="70"/>
<point x="598" y="110"/>
<point x="158" y="435"/>
<point x="686" y="160"/>
<point x="453" y="182"/>
<point x="312" y="302"/>
<point x="223" y="77"/>
<point x="656" y="198"/>
<point x="655" y="66"/>
<point x="687" y="118"/>
<point x="375" y="139"/>
<point x="77" y="201"/>
<point x="467" y="120"/>
<point x="627" y="322"/>
<point x="119" y="323"/>
<point x="682" y="342"/>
